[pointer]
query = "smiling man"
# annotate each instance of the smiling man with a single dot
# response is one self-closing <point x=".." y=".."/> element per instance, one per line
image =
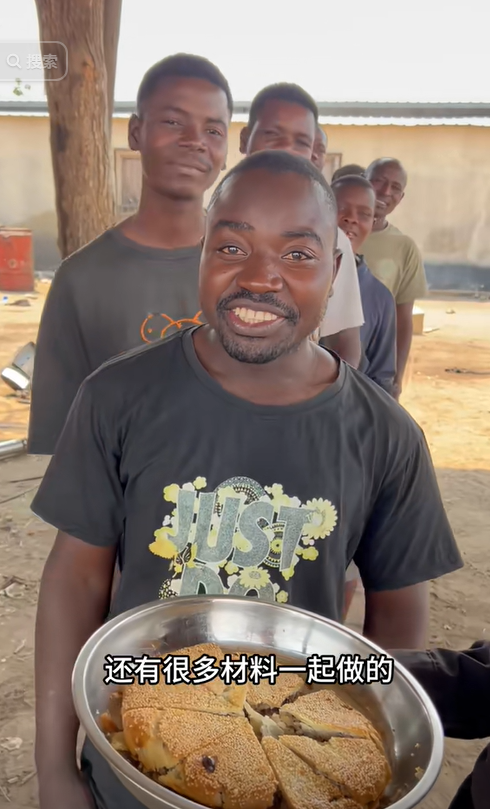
<point x="139" y="280"/>
<point x="284" y="116"/>
<point x="356" y="202"/>
<point x="291" y="465"/>
<point x="393" y="257"/>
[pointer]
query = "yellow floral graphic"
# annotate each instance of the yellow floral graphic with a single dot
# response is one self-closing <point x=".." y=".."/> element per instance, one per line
<point x="277" y="496"/>
<point x="282" y="597"/>
<point x="199" y="483"/>
<point x="171" y="493"/>
<point x="322" y="521"/>
<point x="231" y="568"/>
<point x="288" y="573"/>
<point x="276" y="545"/>
<point x="310" y="553"/>
<point x="163" y="545"/>
<point x="254" y="577"/>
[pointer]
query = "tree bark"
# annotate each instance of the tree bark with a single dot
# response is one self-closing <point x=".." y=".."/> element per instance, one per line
<point x="112" y="25"/>
<point x="79" y="120"/>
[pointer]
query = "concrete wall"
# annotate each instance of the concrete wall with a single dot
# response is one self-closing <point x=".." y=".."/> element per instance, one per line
<point x="446" y="208"/>
<point x="26" y="182"/>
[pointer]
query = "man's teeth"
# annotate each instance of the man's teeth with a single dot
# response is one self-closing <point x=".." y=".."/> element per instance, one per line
<point x="253" y="316"/>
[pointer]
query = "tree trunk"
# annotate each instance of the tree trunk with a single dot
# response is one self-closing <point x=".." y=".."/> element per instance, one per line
<point x="112" y="24"/>
<point x="79" y="121"/>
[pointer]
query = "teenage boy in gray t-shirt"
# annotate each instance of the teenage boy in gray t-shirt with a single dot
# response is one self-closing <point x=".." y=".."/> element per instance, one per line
<point x="138" y="281"/>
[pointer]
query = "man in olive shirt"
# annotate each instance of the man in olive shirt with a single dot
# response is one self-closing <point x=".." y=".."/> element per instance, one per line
<point x="393" y="257"/>
<point x="138" y="281"/>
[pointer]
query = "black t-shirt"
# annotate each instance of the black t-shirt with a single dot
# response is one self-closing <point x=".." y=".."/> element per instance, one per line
<point x="111" y="296"/>
<point x="206" y="492"/>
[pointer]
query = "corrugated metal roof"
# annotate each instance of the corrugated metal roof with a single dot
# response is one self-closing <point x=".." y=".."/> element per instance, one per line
<point x="331" y="112"/>
<point x="481" y="122"/>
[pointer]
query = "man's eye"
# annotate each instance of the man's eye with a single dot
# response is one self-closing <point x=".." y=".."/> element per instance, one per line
<point x="298" y="255"/>
<point x="171" y="122"/>
<point x="215" y="132"/>
<point x="230" y="250"/>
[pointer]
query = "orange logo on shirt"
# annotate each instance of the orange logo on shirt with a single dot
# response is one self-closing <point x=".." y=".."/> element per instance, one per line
<point x="157" y="326"/>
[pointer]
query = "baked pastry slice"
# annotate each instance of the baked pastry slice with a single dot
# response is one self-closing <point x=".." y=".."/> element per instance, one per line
<point x="229" y="772"/>
<point x="267" y="697"/>
<point x="300" y="786"/>
<point x="159" y="740"/>
<point x="357" y="766"/>
<point x="322" y="714"/>
<point x="211" y="697"/>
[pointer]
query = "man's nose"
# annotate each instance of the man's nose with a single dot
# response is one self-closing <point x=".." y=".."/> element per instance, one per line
<point x="349" y="219"/>
<point x="260" y="275"/>
<point x="192" y="137"/>
<point x="285" y="143"/>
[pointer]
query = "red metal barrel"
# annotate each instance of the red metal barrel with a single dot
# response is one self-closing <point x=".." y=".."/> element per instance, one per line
<point x="16" y="260"/>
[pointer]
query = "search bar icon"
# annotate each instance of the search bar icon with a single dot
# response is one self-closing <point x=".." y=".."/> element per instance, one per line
<point x="32" y="62"/>
<point x="13" y="61"/>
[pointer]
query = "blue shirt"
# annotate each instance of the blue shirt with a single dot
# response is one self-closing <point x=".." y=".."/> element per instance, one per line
<point x="378" y="332"/>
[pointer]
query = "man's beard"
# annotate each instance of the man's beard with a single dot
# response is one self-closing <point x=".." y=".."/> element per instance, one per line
<point x="251" y="349"/>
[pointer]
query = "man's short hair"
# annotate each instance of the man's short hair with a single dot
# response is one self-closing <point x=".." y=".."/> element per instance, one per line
<point x="182" y="65"/>
<point x="350" y="170"/>
<point x="353" y="180"/>
<point x="291" y="93"/>
<point x="390" y="161"/>
<point x="279" y="162"/>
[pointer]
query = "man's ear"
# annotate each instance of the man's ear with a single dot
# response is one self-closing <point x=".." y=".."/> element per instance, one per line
<point x="244" y="136"/>
<point x="134" y="133"/>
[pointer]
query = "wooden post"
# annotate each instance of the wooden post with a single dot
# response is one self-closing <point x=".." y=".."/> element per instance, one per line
<point x="79" y="119"/>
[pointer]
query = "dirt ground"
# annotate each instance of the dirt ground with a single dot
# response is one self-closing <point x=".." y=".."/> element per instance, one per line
<point x="453" y="409"/>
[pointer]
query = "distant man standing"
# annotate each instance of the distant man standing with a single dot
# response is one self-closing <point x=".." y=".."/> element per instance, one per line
<point x="393" y="257"/>
<point x="356" y="202"/>
<point x="138" y="281"/>
<point x="285" y="117"/>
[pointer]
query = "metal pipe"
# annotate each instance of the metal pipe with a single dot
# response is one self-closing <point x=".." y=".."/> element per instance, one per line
<point x="9" y="449"/>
